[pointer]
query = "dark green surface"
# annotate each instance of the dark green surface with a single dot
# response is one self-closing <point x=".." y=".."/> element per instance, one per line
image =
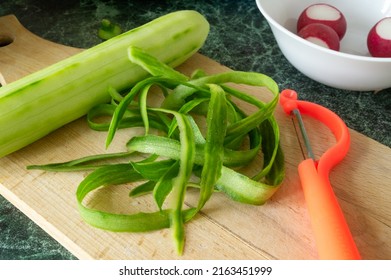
<point x="240" y="38"/>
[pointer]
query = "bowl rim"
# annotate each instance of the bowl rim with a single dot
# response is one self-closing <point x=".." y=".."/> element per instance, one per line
<point x="322" y="49"/>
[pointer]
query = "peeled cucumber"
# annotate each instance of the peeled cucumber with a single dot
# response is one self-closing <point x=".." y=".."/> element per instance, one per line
<point x="42" y="102"/>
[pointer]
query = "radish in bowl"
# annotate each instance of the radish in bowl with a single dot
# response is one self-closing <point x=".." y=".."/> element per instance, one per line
<point x="324" y="14"/>
<point x="379" y="38"/>
<point x="320" y="34"/>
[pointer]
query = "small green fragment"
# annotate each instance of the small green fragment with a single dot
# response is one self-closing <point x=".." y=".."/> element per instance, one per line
<point x="108" y="29"/>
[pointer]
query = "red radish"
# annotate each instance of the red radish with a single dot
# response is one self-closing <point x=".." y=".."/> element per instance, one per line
<point x="325" y="14"/>
<point x="379" y="38"/>
<point x="321" y="35"/>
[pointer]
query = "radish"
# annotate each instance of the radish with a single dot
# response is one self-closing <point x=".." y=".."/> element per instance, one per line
<point x="325" y="14"/>
<point x="379" y="38"/>
<point x="320" y="34"/>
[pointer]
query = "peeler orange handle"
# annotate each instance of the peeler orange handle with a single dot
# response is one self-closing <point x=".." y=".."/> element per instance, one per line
<point x="332" y="235"/>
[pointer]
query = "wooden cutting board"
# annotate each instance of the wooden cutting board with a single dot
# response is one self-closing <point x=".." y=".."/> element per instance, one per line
<point x="280" y="229"/>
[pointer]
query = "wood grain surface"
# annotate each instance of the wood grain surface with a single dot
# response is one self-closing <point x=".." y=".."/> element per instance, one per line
<point x="280" y="229"/>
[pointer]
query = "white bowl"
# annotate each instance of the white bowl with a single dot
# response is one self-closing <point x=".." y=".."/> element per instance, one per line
<point x="352" y="68"/>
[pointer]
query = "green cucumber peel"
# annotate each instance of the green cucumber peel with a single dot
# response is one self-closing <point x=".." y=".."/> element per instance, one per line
<point x="199" y="134"/>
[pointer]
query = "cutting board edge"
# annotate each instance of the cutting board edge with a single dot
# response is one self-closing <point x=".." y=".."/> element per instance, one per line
<point x="39" y="220"/>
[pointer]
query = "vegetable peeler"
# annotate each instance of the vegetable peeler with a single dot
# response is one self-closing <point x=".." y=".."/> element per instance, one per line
<point x="332" y="235"/>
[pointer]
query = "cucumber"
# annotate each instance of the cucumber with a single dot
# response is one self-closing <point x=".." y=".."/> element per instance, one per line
<point x="46" y="100"/>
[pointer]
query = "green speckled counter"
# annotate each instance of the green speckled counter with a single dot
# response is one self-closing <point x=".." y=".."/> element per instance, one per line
<point x="240" y="38"/>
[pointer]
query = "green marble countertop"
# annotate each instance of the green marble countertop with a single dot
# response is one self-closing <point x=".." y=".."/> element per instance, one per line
<point x="240" y="38"/>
